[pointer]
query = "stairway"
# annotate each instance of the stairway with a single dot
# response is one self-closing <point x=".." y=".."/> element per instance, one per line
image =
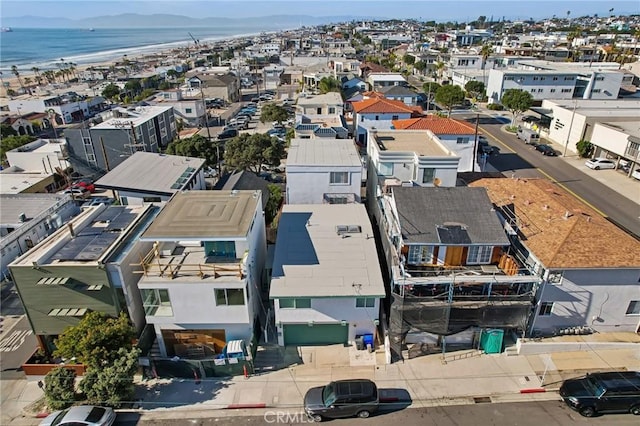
<point x="154" y="352"/>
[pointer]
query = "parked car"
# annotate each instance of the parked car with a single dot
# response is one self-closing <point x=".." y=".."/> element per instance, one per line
<point x="88" y="415"/>
<point x="485" y="148"/>
<point x="636" y="174"/>
<point x="342" y="398"/>
<point x="227" y="134"/>
<point x="277" y="132"/>
<point x="603" y="392"/>
<point x="600" y="163"/>
<point x="77" y="193"/>
<point x="85" y="183"/>
<point x="546" y="150"/>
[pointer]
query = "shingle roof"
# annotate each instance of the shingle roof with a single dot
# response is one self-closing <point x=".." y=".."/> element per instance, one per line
<point x="383" y="105"/>
<point x="438" y="125"/>
<point x="559" y="229"/>
<point x="399" y="91"/>
<point x="423" y="211"/>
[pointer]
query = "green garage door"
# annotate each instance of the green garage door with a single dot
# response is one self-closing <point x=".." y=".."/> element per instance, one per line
<point x="319" y="334"/>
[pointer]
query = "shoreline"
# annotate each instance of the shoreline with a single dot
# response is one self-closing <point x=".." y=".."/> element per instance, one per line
<point x="167" y="50"/>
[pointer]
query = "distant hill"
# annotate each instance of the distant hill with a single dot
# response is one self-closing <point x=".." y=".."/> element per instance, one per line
<point x="131" y="20"/>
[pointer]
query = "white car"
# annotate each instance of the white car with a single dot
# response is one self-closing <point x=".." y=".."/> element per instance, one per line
<point x="86" y="415"/>
<point x="600" y="163"/>
<point x="636" y="174"/>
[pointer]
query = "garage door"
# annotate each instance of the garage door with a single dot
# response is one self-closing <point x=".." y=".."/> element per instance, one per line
<point x="319" y="334"/>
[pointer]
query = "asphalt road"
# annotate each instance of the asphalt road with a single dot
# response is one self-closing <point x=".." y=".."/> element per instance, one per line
<point x="547" y="413"/>
<point x="17" y="341"/>
<point x="522" y="160"/>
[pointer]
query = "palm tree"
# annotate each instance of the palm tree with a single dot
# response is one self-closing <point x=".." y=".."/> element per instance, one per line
<point x="14" y="70"/>
<point x="439" y="67"/>
<point x="36" y="71"/>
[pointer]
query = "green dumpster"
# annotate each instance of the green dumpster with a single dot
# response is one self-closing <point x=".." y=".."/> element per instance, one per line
<point x="491" y="341"/>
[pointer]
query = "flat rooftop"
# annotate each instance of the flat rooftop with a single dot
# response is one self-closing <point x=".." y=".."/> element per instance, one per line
<point x="600" y="108"/>
<point x="558" y="228"/>
<point x="631" y="128"/>
<point x="323" y="152"/>
<point x="32" y="205"/>
<point x="141" y="173"/>
<point x="418" y="141"/>
<point x="205" y="216"/>
<point x="331" y="98"/>
<point x="325" y="250"/>
<point x="14" y="182"/>
<point x="130" y="117"/>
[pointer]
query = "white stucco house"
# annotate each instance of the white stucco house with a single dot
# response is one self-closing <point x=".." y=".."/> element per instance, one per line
<point x="378" y="113"/>
<point x="323" y="171"/>
<point x="326" y="283"/>
<point x="328" y="104"/>
<point x="201" y="281"/>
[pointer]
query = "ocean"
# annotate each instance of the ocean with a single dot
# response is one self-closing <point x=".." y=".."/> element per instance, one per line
<point x="44" y="48"/>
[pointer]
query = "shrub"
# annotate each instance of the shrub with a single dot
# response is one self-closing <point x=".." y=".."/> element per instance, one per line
<point x="495" y="107"/>
<point x="585" y="148"/>
<point x="59" y="388"/>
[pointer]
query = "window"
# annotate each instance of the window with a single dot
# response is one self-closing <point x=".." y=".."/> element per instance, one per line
<point x="479" y="254"/>
<point x="229" y="296"/>
<point x="151" y="199"/>
<point x="540" y="90"/>
<point x="535" y="78"/>
<point x="633" y="308"/>
<point x="332" y="110"/>
<point x="552" y="90"/>
<point x="394" y="117"/>
<point x="545" y="309"/>
<point x="365" y="302"/>
<point x="462" y="140"/>
<point x="420" y="254"/>
<point x="386" y="169"/>
<point x="567" y="90"/>
<point x="156" y="302"/>
<point x="220" y="248"/>
<point x="596" y="91"/>
<point x="533" y="90"/>
<point x="339" y="178"/>
<point x="599" y="78"/>
<point x="568" y="78"/>
<point x="295" y="303"/>
<point x="377" y="117"/>
<point x="555" y="78"/>
<point x="428" y="175"/>
<point x="188" y="110"/>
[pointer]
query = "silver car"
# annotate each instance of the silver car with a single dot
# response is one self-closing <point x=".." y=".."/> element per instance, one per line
<point x="600" y="163"/>
<point x="89" y="415"/>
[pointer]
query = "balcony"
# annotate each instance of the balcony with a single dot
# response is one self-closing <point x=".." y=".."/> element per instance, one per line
<point x="188" y="262"/>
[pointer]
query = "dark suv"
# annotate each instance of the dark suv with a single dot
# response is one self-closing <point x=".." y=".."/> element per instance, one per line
<point x="342" y="398"/>
<point x="603" y="392"/>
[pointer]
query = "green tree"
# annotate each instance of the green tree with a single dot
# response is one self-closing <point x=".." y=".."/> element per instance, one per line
<point x="112" y="385"/>
<point x="448" y="96"/>
<point x="12" y="142"/>
<point x="250" y="152"/>
<point x="420" y="66"/>
<point x="195" y="146"/>
<point x="430" y="88"/>
<point x="95" y="340"/>
<point x="273" y="112"/>
<point x="585" y="148"/>
<point x="111" y="91"/>
<point x="6" y="130"/>
<point x="409" y="59"/>
<point x="329" y="84"/>
<point x="134" y="86"/>
<point x="475" y="88"/>
<point x="145" y="94"/>
<point x="517" y="101"/>
<point x="59" y="388"/>
<point x="273" y="203"/>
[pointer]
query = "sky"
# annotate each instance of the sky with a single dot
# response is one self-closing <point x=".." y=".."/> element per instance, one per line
<point x="439" y="10"/>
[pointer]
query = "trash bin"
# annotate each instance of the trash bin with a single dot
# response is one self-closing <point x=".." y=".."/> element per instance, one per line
<point x="367" y="340"/>
<point x="359" y="343"/>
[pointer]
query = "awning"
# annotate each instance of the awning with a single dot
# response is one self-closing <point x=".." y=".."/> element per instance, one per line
<point x="542" y="112"/>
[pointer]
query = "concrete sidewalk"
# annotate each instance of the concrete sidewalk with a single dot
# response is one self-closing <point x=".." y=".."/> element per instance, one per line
<point x="465" y="378"/>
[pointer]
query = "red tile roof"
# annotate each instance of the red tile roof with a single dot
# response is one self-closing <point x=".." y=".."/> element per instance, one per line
<point x="384" y="105"/>
<point x="438" y="125"/>
<point x="373" y="67"/>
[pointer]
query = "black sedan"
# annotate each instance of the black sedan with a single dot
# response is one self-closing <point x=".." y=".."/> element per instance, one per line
<point x="546" y="150"/>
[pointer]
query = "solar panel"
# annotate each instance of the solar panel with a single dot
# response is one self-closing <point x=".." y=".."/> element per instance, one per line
<point x="109" y="214"/>
<point x="74" y="247"/>
<point x="453" y="234"/>
<point x="121" y="222"/>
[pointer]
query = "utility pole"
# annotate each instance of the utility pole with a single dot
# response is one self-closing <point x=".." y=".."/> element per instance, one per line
<point x="206" y="123"/>
<point x="475" y="143"/>
<point x="573" y="114"/>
